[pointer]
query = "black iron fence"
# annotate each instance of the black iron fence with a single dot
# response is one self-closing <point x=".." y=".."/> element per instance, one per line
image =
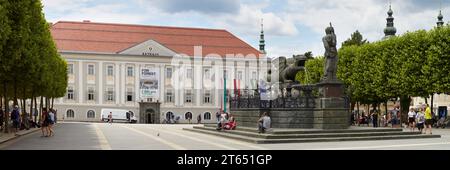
<point x="297" y="96"/>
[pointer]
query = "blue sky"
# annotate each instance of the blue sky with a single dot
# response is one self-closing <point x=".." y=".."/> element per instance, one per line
<point x="291" y="26"/>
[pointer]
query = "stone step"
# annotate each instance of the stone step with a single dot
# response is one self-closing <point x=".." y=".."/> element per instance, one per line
<point x="307" y="140"/>
<point x="314" y="131"/>
<point x="316" y="135"/>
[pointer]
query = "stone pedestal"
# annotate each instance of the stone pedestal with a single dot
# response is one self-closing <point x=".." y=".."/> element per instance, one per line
<point x="330" y="113"/>
<point x="331" y="88"/>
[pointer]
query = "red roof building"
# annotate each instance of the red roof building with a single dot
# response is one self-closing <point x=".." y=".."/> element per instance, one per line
<point x="94" y="37"/>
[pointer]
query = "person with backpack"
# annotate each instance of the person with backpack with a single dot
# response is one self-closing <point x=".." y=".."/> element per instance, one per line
<point x="420" y="120"/>
<point x="15" y="117"/>
<point x="51" y="122"/>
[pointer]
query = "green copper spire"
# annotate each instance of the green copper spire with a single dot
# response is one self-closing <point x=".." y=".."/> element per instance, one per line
<point x="262" y="42"/>
<point x="390" y="30"/>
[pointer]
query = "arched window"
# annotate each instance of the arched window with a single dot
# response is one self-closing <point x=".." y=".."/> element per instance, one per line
<point x="70" y="113"/>
<point x="188" y="115"/>
<point x="207" y="116"/>
<point x="90" y="114"/>
<point x="169" y="116"/>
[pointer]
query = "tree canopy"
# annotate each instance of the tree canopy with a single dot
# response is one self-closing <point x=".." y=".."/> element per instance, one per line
<point x="30" y="65"/>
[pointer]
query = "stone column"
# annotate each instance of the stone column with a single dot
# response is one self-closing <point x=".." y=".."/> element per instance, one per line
<point x="81" y="79"/>
<point x="100" y="82"/>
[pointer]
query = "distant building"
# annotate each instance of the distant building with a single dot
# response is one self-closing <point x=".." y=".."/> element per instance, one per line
<point x="118" y="66"/>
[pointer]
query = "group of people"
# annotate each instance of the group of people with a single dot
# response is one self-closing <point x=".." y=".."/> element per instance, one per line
<point x="364" y="119"/>
<point x="225" y="121"/>
<point x="21" y="122"/>
<point x="48" y="119"/>
<point x="422" y="118"/>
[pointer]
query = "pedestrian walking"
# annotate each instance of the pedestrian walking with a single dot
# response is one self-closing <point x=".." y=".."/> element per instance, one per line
<point x="199" y="119"/>
<point x="15" y="117"/>
<point x="51" y="122"/>
<point x="110" y="121"/>
<point x="420" y="120"/>
<point x="375" y="118"/>
<point x="412" y="119"/>
<point x="428" y="119"/>
<point x="44" y="123"/>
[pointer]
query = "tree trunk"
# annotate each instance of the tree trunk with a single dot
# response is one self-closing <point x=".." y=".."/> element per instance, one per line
<point x="53" y="100"/>
<point x="357" y="108"/>
<point x="15" y="92"/>
<point x="35" y="108"/>
<point x="368" y="109"/>
<point x="426" y="100"/>
<point x="352" y="106"/>
<point x="386" y="108"/>
<point x="31" y="107"/>
<point x="47" y="103"/>
<point x="432" y="103"/>
<point x="374" y="106"/>
<point x="405" y="103"/>
<point x="40" y="110"/>
<point x="6" y="108"/>
<point x="24" y="110"/>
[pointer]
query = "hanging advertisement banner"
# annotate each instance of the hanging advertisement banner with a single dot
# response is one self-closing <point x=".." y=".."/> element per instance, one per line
<point x="149" y="83"/>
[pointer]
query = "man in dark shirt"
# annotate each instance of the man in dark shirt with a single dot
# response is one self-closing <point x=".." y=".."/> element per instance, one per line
<point x="15" y="117"/>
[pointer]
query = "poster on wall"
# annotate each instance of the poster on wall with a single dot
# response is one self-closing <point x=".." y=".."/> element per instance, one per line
<point x="149" y="84"/>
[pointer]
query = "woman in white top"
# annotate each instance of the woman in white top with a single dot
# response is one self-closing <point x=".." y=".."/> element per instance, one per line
<point x="412" y="119"/>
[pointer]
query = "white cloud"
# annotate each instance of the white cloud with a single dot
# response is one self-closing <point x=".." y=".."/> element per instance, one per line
<point x="292" y="27"/>
<point x="201" y="6"/>
<point x="249" y="19"/>
<point x="367" y="16"/>
<point x="63" y="5"/>
<point x="113" y="13"/>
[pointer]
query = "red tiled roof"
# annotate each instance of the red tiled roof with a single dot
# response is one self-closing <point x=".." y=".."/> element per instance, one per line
<point x="113" y="38"/>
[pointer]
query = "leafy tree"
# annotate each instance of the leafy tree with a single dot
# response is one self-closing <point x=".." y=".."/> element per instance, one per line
<point x="313" y="71"/>
<point x="355" y="39"/>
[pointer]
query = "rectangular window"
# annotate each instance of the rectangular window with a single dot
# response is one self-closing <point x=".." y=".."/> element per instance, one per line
<point x="130" y="95"/>
<point x="169" y="96"/>
<point x="110" y="70"/>
<point x="91" y="69"/>
<point x="91" y="94"/>
<point x="168" y="73"/>
<point x="110" y="94"/>
<point x="70" y="93"/>
<point x="189" y="73"/>
<point x="239" y="75"/>
<point x="70" y="69"/>
<point x="188" y="96"/>
<point x="130" y="71"/>
<point x="207" y="97"/>
<point x="207" y="73"/>
<point x="225" y="74"/>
